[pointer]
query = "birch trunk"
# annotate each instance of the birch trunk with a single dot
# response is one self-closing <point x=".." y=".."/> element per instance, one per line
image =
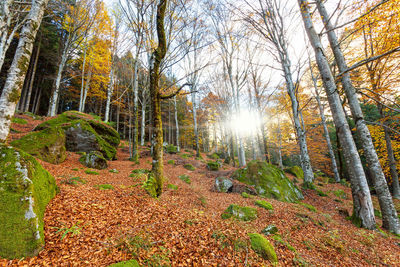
<point x="110" y="90"/>
<point x="16" y="74"/>
<point x="280" y="146"/>
<point x="6" y="36"/>
<point x="135" y="140"/>
<point x="389" y="214"/>
<point x="83" y="80"/>
<point x="326" y="132"/>
<point x="196" y="132"/>
<point x="363" y="212"/>
<point x="54" y="99"/>
<point x="86" y="90"/>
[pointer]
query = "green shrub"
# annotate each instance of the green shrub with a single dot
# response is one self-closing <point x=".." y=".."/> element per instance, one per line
<point x="141" y="171"/>
<point x="340" y="194"/>
<point x="189" y="167"/>
<point x="171" y="161"/>
<point x="213" y="156"/>
<point x="172" y="187"/>
<point x="185" y="178"/>
<point x="171" y="149"/>
<point x="113" y="171"/>
<point x="245" y="195"/>
<point x="321" y="193"/>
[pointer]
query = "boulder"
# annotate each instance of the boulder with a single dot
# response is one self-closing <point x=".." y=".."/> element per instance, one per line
<point x="263" y="247"/>
<point x="296" y="171"/>
<point x="25" y="190"/>
<point x="268" y="181"/>
<point x="94" y="160"/>
<point x="47" y="145"/>
<point x="84" y="133"/>
<point x="270" y="230"/>
<point x="223" y="184"/>
<point x="240" y="213"/>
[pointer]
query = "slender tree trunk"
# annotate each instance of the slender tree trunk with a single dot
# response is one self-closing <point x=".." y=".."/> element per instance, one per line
<point x="280" y="163"/>
<point x="86" y="90"/>
<point x="389" y="214"/>
<point x="196" y="131"/>
<point x="363" y="212"/>
<point x="176" y="125"/>
<point x="326" y="132"/>
<point x="82" y="80"/>
<point x="28" y="97"/>
<point x="143" y="128"/>
<point x="6" y="36"/>
<point x="110" y="90"/>
<point x="16" y="74"/>
<point x="391" y="157"/>
<point x="54" y="99"/>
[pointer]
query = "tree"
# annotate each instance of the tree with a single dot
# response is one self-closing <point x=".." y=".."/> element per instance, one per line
<point x="16" y="74"/>
<point x="363" y="211"/>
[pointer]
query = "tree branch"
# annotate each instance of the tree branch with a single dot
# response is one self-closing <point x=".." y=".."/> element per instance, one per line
<point x="176" y="92"/>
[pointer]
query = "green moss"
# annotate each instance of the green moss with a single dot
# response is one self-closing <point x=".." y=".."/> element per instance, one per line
<point x="25" y="189"/>
<point x="171" y="149"/>
<point x="94" y="159"/>
<point x="263" y="247"/>
<point x="113" y="171"/>
<point x="150" y="185"/>
<point x="264" y="204"/>
<point x="141" y="171"/>
<point x="47" y="145"/>
<point x="189" y="167"/>
<point x="75" y="169"/>
<point x="245" y="195"/>
<point x="185" y="178"/>
<point x="74" y="181"/>
<point x="214" y="156"/>
<point x="104" y="187"/>
<point x="321" y="193"/>
<point x="268" y="181"/>
<point x="172" y="187"/>
<point x="270" y="230"/>
<point x="185" y="156"/>
<point x="308" y="206"/>
<point x="296" y="171"/>
<point x="340" y="194"/>
<point x="240" y="213"/>
<point x="130" y="263"/>
<point x="308" y="185"/>
<point x="91" y="172"/>
<point x="18" y="120"/>
<point x="213" y="165"/>
<point x="171" y="162"/>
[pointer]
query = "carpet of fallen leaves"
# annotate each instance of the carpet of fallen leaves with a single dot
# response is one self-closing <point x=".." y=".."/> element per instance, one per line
<point x="184" y="227"/>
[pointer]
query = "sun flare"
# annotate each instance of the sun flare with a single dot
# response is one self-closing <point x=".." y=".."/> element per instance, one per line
<point x="245" y="123"/>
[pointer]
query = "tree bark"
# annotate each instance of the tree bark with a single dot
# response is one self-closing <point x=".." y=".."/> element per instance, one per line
<point x="28" y="97"/>
<point x="16" y="74"/>
<point x="363" y="212"/>
<point x="143" y="127"/>
<point x="389" y="214"/>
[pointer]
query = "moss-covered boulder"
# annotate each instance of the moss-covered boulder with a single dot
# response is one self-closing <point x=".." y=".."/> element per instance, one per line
<point x="25" y="189"/>
<point x="223" y="184"/>
<point x="263" y="247"/>
<point x="85" y="134"/>
<point x="268" y="181"/>
<point x="270" y="230"/>
<point x="47" y="145"/>
<point x="296" y="171"/>
<point x="240" y="213"/>
<point x="94" y="160"/>
<point x="213" y="165"/>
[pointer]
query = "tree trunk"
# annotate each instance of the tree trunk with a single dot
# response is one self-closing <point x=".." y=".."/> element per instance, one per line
<point x="86" y="90"/>
<point x="326" y="132"/>
<point x="28" y="97"/>
<point x="16" y="74"/>
<point x="54" y="99"/>
<point x="389" y="214"/>
<point x="363" y="212"/>
<point x="176" y="125"/>
<point x="143" y="127"/>
<point x="196" y="131"/>
<point x="110" y="90"/>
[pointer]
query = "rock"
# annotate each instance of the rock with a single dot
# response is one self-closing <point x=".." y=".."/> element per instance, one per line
<point x="213" y="165"/>
<point x="268" y="181"/>
<point x="84" y="133"/>
<point x="240" y="213"/>
<point x="269" y="230"/>
<point x="240" y="188"/>
<point x="264" y="204"/>
<point x="296" y="171"/>
<point x="130" y="263"/>
<point x="25" y="189"/>
<point x="47" y="145"/>
<point x="171" y="149"/>
<point x="263" y="247"/>
<point x="94" y="160"/>
<point x="223" y="184"/>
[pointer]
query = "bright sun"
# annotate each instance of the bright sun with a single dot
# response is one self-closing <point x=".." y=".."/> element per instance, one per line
<point x="246" y="123"/>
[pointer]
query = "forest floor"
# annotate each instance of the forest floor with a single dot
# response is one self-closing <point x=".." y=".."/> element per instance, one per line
<point x="85" y="225"/>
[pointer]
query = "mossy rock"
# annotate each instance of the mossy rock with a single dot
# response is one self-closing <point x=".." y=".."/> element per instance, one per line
<point x="223" y="184"/>
<point x="264" y="204"/>
<point x="213" y="165"/>
<point x="171" y="149"/>
<point x="214" y="156"/>
<point x="47" y="145"/>
<point x="130" y="263"/>
<point x="268" y="181"/>
<point x="84" y="133"/>
<point x="245" y="195"/>
<point x="189" y="167"/>
<point x="296" y="171"/>
<point x="263" y="247"/>
<point x="270" y="230"/>
<point x="25" y="190"/>
<point x="240" y="213"/>
<point x="94" y="160"/>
